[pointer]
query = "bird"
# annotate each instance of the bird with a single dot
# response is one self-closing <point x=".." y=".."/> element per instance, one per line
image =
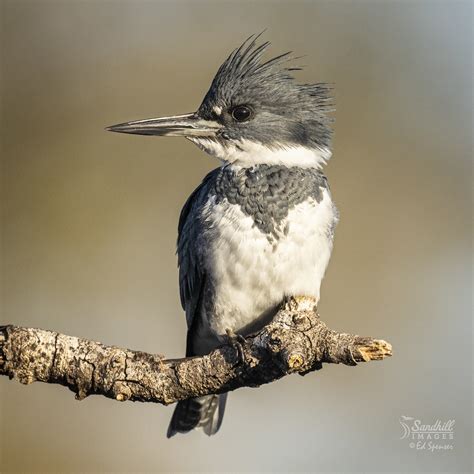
<point x="259" y="227"/>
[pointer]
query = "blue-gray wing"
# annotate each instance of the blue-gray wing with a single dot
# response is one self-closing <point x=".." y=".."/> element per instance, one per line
<point x="190" y="232"/>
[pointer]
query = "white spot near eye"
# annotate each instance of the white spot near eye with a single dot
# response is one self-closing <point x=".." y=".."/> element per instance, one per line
<point x="217" y="110"/>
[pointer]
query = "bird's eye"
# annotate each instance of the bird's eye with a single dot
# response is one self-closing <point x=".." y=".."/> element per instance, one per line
<point x="241" y="113"/>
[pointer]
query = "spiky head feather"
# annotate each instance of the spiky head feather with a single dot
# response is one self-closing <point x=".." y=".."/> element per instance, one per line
<point x="285" y="112"/>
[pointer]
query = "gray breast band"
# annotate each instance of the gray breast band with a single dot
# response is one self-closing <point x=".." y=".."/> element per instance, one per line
<point x="266" y="193"/>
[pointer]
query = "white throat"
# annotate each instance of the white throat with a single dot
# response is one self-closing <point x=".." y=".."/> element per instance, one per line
<point x="247" y="153"/>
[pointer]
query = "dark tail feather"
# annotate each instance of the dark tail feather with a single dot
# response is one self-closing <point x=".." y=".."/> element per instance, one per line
<point x="204" y="412"/>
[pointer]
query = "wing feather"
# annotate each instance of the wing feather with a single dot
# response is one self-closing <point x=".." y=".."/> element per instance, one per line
<point x="190" y="228"/>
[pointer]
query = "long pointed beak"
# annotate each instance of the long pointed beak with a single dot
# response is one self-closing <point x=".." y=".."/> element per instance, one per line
<point x="188" y="125"/>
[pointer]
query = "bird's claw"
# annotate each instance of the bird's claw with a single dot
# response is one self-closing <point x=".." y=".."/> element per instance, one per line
<point x="237" y="341"/>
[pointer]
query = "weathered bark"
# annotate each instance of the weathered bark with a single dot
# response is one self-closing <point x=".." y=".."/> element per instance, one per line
<point x="295" y="341"/>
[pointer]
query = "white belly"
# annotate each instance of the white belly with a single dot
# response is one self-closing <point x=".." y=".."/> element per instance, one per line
<point x="252" y="274"/>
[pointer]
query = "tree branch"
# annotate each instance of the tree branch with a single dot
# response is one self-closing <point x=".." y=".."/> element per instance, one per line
<point x="295" y="341"/>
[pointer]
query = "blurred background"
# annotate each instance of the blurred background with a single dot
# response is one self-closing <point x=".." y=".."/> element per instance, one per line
<point x="89" y="224"/>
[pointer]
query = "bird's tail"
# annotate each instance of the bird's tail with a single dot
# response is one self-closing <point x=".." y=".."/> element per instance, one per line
<point x="204" y="412"/>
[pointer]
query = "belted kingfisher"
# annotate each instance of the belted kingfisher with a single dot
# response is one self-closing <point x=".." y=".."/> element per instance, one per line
<point x="260" y="227"/>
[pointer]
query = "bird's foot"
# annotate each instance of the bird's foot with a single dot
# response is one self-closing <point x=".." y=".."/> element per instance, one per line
<point x="236" y="341"/>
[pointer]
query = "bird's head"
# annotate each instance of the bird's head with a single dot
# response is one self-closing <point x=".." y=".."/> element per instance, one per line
<point x="253" y="113"/>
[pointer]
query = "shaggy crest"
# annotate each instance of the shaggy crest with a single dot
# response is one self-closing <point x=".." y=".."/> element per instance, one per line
<point x="244" y="76"/>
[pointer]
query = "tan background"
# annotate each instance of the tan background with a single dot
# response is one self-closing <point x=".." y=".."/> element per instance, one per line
<point x="89" y="226"/>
